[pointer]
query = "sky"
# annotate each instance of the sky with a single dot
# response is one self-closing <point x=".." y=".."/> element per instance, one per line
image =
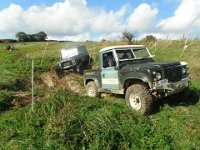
<point x="81" y="20"/>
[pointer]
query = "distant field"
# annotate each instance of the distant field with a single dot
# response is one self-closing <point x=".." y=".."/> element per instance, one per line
<point x="62" y="119"/>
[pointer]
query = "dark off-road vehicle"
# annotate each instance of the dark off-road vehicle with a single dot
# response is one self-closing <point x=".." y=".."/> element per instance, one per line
<point x="131" y="70"/>
<point x="76" y="58"/>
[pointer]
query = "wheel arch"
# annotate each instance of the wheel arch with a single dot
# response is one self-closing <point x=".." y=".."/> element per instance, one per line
<point x="91" y="79"/>
<point x="130" y="81"/>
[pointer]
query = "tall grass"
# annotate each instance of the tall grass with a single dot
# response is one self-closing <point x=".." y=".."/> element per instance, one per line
<point x="65" y="120"/>
<point x="69" y="121"/>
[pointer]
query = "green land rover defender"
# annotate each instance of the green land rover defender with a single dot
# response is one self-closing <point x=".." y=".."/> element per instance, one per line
<point x="130" y="70"/>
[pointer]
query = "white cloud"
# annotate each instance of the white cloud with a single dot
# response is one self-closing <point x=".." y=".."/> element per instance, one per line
<point x="74" y="20"/>
<point x="67" y="19"/>
<point x="185" y="17"/>
<point x="77" y="2"/>
<point x="115" y="36"/>
<point x="108" y="22"/>
<point x="11" y="19"/>
<point x="143" y="18"/>
<point x="82" y="37"/>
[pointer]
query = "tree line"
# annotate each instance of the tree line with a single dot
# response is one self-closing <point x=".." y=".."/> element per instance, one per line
<point x="23" y="37"/>
<point x="129" y="37"/>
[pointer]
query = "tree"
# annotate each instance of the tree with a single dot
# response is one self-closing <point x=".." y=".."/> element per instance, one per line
<point x="128" y="36"/>
<point x="150" y="38"/>
<point x="103" y="40"/>
<point x="22" y="37"/>
<point x="32" y="38"/>
<point x="42" y="36"/>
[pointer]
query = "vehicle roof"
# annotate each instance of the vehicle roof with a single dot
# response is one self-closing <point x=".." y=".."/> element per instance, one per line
<point x="121" y="46"/>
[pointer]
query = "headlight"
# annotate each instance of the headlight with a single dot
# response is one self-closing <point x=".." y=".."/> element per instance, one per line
<point x="158" y="76"/>
<point x="183" y="70"/>
<point x="73" y="61"/>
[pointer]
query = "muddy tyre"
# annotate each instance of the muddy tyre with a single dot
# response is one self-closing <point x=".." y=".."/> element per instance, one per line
<point x="59" y="72"/>
<point x="138" y="98"/>
<point x="92" y="89"/>
<point x="79" y="69"/>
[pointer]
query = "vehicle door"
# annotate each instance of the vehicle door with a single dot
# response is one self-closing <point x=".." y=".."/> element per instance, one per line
<point x="109" y="74"/>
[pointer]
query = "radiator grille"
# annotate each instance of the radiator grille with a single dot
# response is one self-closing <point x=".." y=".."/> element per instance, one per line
<point x="173" y="74"/>
<point x="66" y="64"/>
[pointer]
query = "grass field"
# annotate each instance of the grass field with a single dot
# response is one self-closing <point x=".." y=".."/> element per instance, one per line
<point x="62" y="119"/>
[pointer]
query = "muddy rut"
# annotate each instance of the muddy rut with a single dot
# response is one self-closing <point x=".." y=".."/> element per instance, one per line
<point x="68" y="81"/>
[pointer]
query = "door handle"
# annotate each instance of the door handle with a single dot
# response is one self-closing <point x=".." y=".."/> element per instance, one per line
<point x="103" y="75"/>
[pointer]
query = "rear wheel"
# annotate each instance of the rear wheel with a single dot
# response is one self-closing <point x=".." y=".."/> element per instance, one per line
<point x="138" y="97"/>
<point x="92" y="89"/>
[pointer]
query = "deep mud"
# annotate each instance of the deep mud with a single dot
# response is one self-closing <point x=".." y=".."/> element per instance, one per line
<point x="68" y="81"/>
<point x="43" y="86"/>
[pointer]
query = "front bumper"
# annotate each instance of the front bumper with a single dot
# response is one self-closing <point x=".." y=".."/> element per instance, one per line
<point x="171" y="88"/>
<point x="64" y="65"/>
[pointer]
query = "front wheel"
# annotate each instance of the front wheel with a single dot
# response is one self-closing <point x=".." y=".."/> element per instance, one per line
<point x="92" y="89"/>
<point x="138" y="97"/>
<point x="59" y="72"/>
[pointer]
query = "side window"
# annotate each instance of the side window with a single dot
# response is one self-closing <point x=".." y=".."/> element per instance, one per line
<point x="108" y="60"/>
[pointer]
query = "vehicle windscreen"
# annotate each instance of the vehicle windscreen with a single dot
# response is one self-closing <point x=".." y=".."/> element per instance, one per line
<point x="125" y="54"/>
<point x="130" y="54"/>
<point x="133" y="56"/>
<point x="141" y="53"/>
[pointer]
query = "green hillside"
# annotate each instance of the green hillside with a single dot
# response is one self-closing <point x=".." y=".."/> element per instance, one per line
<point x="63" y="118"/>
